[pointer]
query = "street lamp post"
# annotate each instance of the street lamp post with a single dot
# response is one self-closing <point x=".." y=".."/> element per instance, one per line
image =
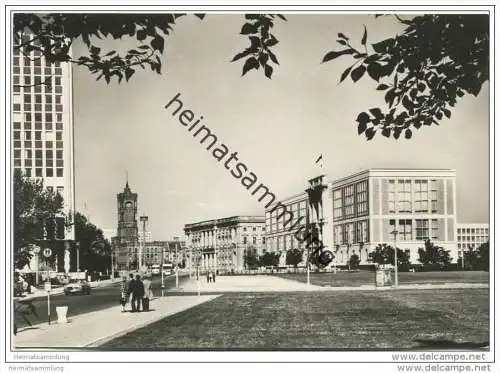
<point x="395" y="233"/>
<point x="144" y="220"/>
<point x="78" y="257"/>
<point x="161" y="266"/>
<point x="176" y="267"/>
<point x="215" y="249"/>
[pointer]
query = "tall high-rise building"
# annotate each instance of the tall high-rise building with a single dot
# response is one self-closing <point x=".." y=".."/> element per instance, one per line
<point x="42" y="120"/>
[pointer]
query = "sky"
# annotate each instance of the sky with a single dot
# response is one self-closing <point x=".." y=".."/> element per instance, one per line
<point x="278" y="126"/>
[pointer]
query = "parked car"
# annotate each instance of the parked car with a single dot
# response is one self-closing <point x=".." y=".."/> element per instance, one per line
<point x="77" y="287"/>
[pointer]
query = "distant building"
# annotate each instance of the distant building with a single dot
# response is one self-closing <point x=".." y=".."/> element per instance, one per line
<point x="360" y="211"/>
<point x="220" y="244"/>
<point x="472" y="235"/>
<point x="128" y="242"/>
<point x="147" y="235"/>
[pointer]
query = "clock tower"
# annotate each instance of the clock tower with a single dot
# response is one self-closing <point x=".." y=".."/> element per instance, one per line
<point x="125" y="243"/>
<point x="127" y="215"/>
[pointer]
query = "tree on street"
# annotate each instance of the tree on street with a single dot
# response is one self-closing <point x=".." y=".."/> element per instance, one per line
<point x="38" y="216"/>
<point x="384" y="254"/>
<point x="353" y="262"/>
<point x="433" y="255"/>
<point x="251" y="258"/>
<point x="95" y="249"/>
<point x="294" y="257"/>
<point x="269" y="259"/>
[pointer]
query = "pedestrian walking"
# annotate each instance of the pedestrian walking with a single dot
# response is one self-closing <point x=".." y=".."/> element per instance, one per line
<point x="130" y="295"/>
<point x="137" y="294"/>
<point x="208" y="276"/>
<point x="213" y="276"/>
<point x="148" y="293"/>
<point x="124" y="287"/>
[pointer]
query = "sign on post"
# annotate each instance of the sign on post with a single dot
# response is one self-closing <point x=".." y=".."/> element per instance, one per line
<point x="48" y="286"/>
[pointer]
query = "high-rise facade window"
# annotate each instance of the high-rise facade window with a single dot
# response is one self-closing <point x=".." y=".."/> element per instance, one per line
<point x="361" y="231"/>
<point x="404" y="196"/>
<point x="391" y="197"/>
<point x="434" y="229"/>
<point x="348" y="201"/>
<point x="422" y="231"/>
<point x="405" y="229"/>
<point x="422" y="196"/>
<point x="362" y="198"/>
<point x="433" y="195"/>
<point x="337" y="204"/>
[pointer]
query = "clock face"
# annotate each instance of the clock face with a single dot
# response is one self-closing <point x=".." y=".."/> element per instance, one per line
<point x="128" y="205"/>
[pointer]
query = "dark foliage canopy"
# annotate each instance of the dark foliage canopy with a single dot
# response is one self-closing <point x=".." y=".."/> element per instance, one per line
<point x="36" y="211"/>
<point x="421" y="72"/>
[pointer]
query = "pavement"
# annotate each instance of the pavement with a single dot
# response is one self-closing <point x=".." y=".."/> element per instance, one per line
<point x="93" y="329"/>
<point x="262" y="283"/>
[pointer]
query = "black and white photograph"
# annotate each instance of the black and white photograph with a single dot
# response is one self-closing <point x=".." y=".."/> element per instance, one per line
<point x="252" y="183"/>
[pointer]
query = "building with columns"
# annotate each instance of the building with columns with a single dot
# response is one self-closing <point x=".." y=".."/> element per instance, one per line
<point x="220" y="244"/>
<point x="353" y="214"/>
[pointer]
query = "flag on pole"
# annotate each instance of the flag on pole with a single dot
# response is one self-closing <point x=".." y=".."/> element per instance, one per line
<point x="319" y="161"/>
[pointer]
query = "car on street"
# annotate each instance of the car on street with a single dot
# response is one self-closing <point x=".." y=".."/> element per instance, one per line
<point x="77" y="287"/>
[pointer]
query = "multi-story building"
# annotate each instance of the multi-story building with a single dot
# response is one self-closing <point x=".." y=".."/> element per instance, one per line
<point x="472" y="235"/>
<point x="357" y="212"/>
<point x="157" y="252"/>
<point x="402" y="207"/>
<point x="220" y="244"/>
<point x="42" y="126"/>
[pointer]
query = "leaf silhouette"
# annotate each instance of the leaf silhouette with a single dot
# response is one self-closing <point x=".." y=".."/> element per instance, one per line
<point x="365" y="35"/>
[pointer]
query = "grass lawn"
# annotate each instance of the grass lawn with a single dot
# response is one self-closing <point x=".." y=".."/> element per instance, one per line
<point x="321" y="320"/>
<point x="368" y="278"/>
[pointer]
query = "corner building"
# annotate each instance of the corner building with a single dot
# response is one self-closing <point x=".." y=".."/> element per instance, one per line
<point x="402" y="207"/>
<point x="371" y="207"/>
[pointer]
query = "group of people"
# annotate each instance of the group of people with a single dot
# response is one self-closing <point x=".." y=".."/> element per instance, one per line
<point x="210" y="276"/>
<point x="138" y="291"/>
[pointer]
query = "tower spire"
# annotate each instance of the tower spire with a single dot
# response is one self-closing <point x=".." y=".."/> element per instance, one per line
<point x="126" y="178"/>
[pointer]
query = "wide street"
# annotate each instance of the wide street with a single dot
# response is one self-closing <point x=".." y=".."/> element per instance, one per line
<point x="100" y="298"/>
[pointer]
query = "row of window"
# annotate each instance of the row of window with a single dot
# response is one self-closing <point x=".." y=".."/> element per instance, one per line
<point x="29" y="98"/>
<point x="49" y="163"/>
<point x="37" y="107"/>
<point x="284" y="242"/>
<point x="472" y="230"/>
<point x="424" y="229"/>
<point x="27" y="61"/>
<point x="28" y="154"/>
<point x="277" y="220"/>
<point x="400" y="196"/>
<point x="351" y="201"/>
<point x="351" y="233"/>
<point x="49" y="172"/>
<point x="49" y="117"/>
<point x="38" y="126"/>
<point x="38" y="136"/>
<point x="473" y="238"/>
<point x="38" y="144"/>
